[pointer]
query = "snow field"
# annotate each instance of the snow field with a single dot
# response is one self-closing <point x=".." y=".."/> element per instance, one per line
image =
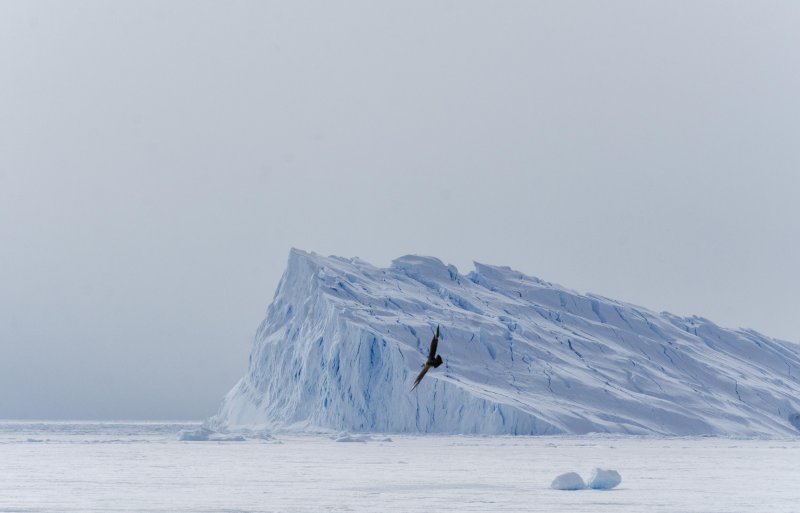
<point x="100" y="470"/>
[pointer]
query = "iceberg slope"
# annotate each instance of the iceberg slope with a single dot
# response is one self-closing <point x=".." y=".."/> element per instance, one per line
<point x="343" y="341"/>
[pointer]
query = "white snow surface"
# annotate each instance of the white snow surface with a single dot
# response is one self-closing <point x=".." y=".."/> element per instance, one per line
<point x="604" y="479"/>
<point x="142" y="467"/>
<point x="568" y="481"/>
<point x="343" y="341"/>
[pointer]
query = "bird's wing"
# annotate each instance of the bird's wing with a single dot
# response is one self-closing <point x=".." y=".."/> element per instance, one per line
<point x="421" y="375"/>
<point x="434" y="343"/>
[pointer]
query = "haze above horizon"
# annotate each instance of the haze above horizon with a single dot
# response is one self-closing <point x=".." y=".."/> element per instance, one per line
<point x="158" y="160"/>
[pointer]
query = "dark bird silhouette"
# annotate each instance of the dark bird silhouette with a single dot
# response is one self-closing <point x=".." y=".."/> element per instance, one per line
<point x="434" y="360"/>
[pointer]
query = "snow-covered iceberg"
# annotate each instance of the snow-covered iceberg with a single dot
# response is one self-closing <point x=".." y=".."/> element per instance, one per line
<point x="343" y="340"/>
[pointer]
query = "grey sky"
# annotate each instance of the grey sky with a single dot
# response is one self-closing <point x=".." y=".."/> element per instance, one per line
<point x="159" y="159"/>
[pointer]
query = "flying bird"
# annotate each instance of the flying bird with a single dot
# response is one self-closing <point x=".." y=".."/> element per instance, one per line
<point x="434" y="360"/>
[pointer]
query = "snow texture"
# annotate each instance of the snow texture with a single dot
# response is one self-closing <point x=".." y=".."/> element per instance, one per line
<point x="604" y="479"/>
<point x="568" y="481"/>
<point x="343" y="340"/>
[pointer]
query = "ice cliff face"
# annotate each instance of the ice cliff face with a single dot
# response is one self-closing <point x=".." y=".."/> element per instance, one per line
<point x="343" y="341"/>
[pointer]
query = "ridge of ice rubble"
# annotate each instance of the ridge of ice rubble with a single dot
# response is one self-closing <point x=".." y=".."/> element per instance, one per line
<point x="203" y="434"/>
<point x="342" y="341"/>
<point x="362" y="438"/>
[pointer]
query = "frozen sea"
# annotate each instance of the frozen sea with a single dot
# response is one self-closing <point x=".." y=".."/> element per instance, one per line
<point x="112" y="466"/>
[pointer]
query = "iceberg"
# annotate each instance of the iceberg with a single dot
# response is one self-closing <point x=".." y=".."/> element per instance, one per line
<point x="343" y="340"/>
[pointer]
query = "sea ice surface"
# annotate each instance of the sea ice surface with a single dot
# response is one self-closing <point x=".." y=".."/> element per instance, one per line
<point x="143" y="467"/>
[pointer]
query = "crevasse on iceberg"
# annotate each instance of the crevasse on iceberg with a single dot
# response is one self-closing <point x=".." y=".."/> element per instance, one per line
<point x="343" y="340"/>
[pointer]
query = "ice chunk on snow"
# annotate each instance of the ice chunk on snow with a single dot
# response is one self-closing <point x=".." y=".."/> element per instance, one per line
<point x="600" y="479"/>
<point x="568" y="481"/>
<point x="207" y="435"/>
<point x="604" y="479"/>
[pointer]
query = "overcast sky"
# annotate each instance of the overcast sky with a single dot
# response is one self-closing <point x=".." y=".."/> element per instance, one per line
<point x="159" y="159"/>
